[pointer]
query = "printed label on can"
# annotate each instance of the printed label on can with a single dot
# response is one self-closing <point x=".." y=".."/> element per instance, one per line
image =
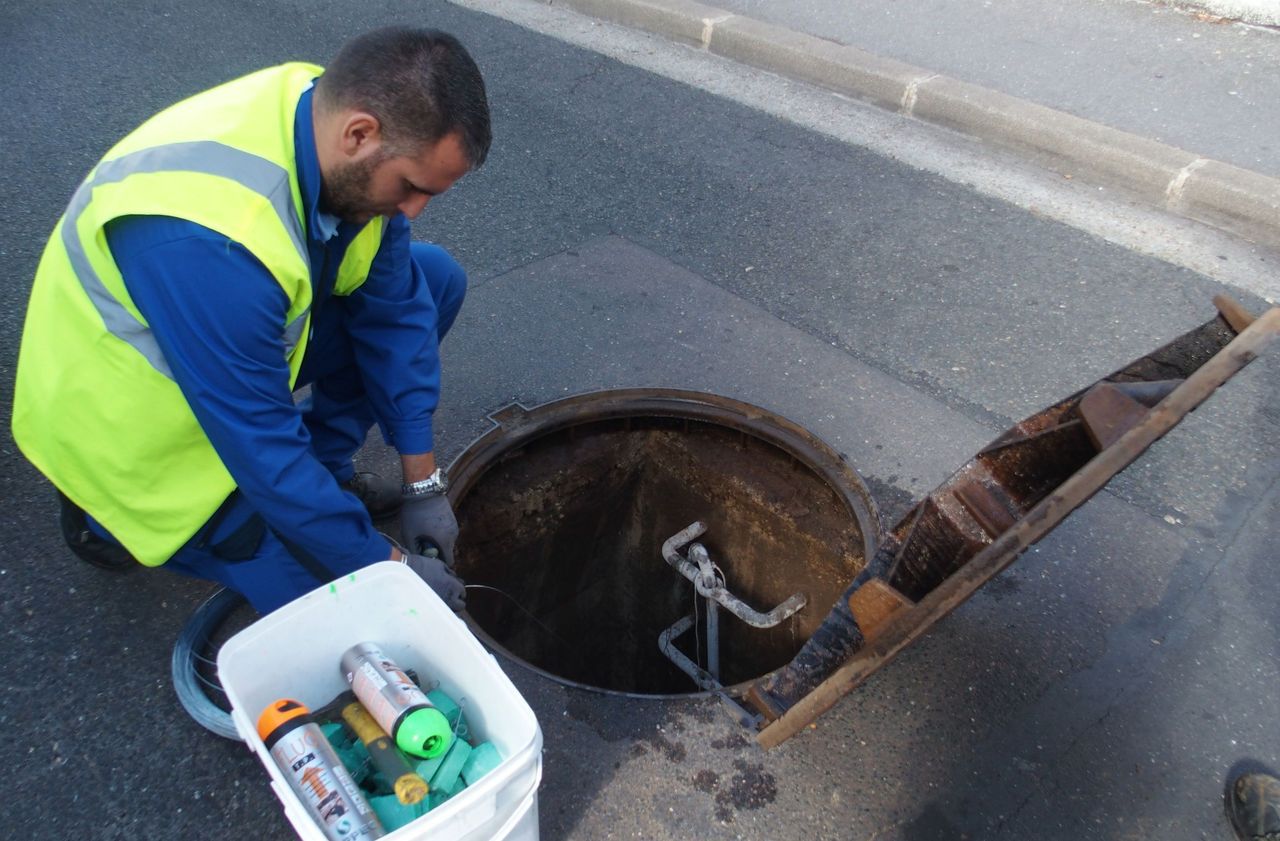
<point x="327" y="788"/>
<point x="408" y="689"/>
<point x="370" y="673"/>
<point x="373" y="695"/>
<point x="382" y="686"/>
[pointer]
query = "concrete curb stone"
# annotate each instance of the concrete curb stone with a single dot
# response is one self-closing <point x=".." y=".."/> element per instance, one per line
<point x="680" y="20"/>
<point x="1239" y="201"/>
<point x="1076" y="146"/>
<point x="881" y="81"/>
<point x="1257" y="12"/>
<point x="1234" y="199"/>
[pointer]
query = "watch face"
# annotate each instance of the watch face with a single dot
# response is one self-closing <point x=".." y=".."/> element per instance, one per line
<point x="436" y="483"/>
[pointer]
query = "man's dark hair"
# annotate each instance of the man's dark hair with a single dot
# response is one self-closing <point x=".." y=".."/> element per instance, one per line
<point x="421" y="84"/>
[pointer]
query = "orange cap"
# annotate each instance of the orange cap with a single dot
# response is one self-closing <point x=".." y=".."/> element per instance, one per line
<point x="278" y="713"/>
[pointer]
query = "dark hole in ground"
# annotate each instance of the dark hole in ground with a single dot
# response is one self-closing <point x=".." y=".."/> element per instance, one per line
<point x="570" y="527"/>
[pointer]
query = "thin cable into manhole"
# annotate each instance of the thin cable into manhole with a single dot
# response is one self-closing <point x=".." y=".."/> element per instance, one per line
<point x="522" y="609"/>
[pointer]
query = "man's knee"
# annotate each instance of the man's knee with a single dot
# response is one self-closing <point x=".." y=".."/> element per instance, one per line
<point x="445" y="279"/>
<point x="269" y="578"/>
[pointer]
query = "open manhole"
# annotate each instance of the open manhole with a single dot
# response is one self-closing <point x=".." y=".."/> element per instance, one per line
<point x="570" y="515"/>
<point x="564" y="510"/>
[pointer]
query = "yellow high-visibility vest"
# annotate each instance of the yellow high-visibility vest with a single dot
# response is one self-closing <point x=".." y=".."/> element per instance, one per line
<point x="96" y="408"/>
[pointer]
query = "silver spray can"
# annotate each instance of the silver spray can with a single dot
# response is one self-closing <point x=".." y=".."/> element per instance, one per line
<point x="316" y="774"/>
<point x="396" y="702"/>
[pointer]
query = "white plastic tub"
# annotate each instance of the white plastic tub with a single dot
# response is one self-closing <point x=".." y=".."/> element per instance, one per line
<point x="294" y="653"/>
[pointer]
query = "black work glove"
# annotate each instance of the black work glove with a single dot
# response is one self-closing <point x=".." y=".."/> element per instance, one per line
<point x="427" y="522"/>
<point x="440" y="578"/>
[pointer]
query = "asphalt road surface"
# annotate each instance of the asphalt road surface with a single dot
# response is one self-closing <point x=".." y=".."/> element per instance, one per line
<point x="631" y="230"/>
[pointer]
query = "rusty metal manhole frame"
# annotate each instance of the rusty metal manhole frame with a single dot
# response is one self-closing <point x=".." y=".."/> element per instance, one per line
<point x="1009" y="496"/>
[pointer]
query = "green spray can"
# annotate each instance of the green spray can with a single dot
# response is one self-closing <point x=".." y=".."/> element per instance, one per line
<point x="395" y="701"/>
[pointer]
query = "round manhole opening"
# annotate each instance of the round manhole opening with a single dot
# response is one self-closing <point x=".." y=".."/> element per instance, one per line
<point x="563" y="511"/>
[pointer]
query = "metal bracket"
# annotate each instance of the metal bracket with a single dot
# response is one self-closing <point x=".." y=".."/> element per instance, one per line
<point x="666" y="643"/>
<point x="712" y="590"/>
<point x="702" y="677"/>
<point x="708" y="583"/>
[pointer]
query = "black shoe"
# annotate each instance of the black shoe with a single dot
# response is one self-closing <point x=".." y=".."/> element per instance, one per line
<point x="86" y="545"/>
<point x="1254" y="807"/>
<point x="380" y="496"/>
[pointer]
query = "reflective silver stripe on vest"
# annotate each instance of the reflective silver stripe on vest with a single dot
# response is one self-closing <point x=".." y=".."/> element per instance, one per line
<point x="268" y="179"/>
<point x="293" y="332"/>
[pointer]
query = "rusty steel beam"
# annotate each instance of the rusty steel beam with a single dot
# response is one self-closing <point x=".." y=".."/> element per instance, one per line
<point x="1237" y="316"/>
<point x="1008" y="497"/>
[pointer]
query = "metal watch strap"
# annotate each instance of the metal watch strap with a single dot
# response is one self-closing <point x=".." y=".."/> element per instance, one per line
<point x="434" y="485"/>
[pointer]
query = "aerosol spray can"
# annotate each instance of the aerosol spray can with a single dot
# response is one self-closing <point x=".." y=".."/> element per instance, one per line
<point x="316" y="774"/>
<point x="395" y="702"/>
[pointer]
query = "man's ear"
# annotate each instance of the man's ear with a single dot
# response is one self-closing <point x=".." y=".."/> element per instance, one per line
<point x="361" y="134"/>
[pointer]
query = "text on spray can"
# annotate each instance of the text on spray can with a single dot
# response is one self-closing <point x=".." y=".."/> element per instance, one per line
<point x="316" y="775"/>
<point x="395" y="702"/>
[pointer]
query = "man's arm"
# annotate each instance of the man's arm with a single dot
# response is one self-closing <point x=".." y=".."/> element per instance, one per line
<point x="417" y="467"/>
<point x="392" y="322"/>
<point x="218" y="317"/>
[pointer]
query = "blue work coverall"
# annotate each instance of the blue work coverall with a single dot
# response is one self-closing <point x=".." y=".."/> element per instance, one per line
<point x="373" y="356"/>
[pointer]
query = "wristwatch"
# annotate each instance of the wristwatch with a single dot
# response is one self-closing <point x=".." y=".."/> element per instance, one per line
<point x="434" y="485"/>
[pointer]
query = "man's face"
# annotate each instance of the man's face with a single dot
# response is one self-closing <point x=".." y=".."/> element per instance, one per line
<point x="379" y="183"/>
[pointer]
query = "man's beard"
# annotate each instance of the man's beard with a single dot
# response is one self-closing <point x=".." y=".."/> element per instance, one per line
<point x="345" y="193"/>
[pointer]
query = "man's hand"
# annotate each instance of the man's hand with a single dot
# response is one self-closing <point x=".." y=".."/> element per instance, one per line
<point x="428" y="521"/>
<point x="440" y="578"/>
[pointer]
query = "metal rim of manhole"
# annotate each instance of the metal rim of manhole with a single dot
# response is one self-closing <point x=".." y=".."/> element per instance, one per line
<point x="534" y="487"/>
